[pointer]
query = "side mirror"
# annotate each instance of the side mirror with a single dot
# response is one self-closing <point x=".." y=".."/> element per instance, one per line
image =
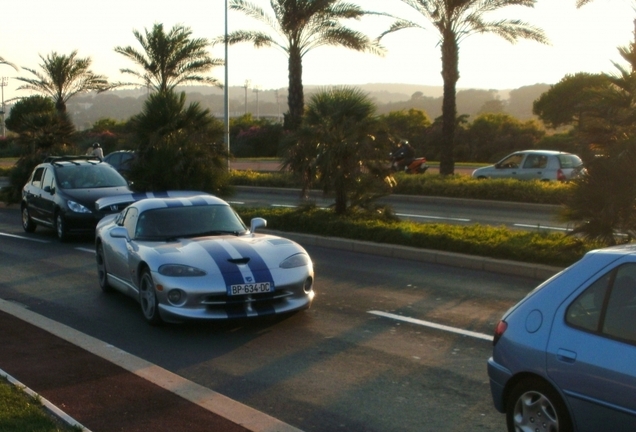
<point x="48" y="189"/>
<point x="119" y="232"/>
<point x="257" y="223"/>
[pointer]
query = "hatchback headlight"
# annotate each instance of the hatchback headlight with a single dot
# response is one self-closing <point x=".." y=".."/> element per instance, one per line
<point x="178" y="270"/>
<point x="297" y="260"/>
<point x="77" y="207"/>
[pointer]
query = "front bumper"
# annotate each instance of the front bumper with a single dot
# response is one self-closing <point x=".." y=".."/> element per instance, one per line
<point x="202" y="303"/>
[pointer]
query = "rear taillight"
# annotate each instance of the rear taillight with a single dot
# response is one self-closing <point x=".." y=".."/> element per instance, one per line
<point x="499" y="331"/>
<point x="560" y="175"/>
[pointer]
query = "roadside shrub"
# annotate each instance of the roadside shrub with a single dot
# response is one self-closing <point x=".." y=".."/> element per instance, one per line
<point x="555" y="249"/>
<point x="256" y="178"/>
<point x="457" y="186"/>
<point x="462" y="186"/>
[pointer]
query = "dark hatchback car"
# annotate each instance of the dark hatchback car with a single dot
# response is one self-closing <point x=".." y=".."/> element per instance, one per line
<point x="61" y="194"/>
<point x="121" y="160"/>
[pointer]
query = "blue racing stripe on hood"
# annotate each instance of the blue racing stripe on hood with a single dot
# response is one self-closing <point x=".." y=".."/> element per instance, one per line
<point x="230" y="272"/>
<point x="256" y="263"/>
<point x="198" y="201"/>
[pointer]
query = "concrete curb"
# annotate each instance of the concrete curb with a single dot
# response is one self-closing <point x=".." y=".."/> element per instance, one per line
<point x="210" y="400"/>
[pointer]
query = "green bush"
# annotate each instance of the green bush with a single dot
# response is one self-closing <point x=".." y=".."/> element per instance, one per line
<point x="263" y="179"/>
<point x="458" y="186"/>
<point x="462" y="186"/>
<point x="555" y="249"/>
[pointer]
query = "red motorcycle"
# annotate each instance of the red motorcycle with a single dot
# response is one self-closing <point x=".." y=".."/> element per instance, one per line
<point x="402" y="160"/>
<point x="417" y="166"/>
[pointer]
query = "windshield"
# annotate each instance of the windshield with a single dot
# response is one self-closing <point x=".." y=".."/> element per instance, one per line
<point x="87" y="176"/>
<point x="191" y="221"/>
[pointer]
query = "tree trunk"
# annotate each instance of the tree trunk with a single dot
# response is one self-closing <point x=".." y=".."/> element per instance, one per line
<point x="450" y="76"/>
<point x="295" y="97"/>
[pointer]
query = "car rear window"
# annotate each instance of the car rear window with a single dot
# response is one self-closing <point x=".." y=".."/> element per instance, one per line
<point x="569" y="161"/>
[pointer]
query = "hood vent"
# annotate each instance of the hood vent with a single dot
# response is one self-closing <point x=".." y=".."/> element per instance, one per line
<point x="239" y="260"/>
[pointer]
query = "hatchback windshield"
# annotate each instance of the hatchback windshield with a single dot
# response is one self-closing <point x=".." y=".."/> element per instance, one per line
<point x="88" y="176"/>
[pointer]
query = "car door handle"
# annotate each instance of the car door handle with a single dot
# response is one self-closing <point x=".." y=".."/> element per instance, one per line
<point x="566" y="356"/>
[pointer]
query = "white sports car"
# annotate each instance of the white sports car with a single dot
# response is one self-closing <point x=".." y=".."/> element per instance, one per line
<point x="192" y="257"/>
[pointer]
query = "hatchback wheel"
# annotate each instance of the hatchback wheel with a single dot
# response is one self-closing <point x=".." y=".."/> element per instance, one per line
<point x="148" y="299"/>
<point x="60" y="227"/>
<point x="27" y="222"/>
<point x="535" y="406"/>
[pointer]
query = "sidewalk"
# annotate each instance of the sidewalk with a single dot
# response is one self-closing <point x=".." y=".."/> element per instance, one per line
<point x="107" y="390"/>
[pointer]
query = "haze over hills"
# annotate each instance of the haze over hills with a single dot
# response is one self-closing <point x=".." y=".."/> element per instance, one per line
<point x="272" y="103"/>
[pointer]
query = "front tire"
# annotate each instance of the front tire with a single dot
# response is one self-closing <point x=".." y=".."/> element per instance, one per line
<point x="102" y="271"/>
<point x="148" y="299"/>
<point x="60" y="227"/>
<point x="535" y="405"/>
<point x="27" y="223"/>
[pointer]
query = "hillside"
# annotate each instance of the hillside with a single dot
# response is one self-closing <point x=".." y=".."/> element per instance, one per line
<point x="272" y="103"/>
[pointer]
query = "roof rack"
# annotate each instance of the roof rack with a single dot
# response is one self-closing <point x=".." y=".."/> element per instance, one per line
<point x="53" y="159"/>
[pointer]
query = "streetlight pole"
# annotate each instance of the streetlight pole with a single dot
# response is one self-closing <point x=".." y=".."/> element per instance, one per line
<point x="3" y="82"/>
<point x="226" y="97"/>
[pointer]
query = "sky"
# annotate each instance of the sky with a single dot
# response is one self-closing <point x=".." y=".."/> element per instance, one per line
<point x="581" y="40"/>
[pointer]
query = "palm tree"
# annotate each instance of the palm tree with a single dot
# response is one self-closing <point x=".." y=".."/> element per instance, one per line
<point x="170" y="59"/>
<point x="336" y="148"/>
<point x="455" y="20"/>
<point x="178" y="146"/>
<point x="63" y="77"/>
<point x="299" y="27"/>
<point x="3" y="61"/>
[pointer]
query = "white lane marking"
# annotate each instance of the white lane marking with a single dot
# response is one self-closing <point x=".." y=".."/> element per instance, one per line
<point x="236" y="202"/>
<point x="433" y="325"/>
<point x="24" y="238"/>
<point x="85" y="249"/>
<point x="432" y="217"/>
<point x="541" y="227"/>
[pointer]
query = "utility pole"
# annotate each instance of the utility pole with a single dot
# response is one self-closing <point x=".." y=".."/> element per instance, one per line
<point x="256" y="90"/>
<point x="3" y="82"/>
<point x="278" y="106"/>
<point x="246" y="86"/>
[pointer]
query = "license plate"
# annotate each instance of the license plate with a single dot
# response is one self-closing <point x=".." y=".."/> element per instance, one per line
<point x="250" y="288"/>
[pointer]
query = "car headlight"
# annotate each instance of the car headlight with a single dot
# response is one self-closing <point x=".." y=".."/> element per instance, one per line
<point x="297" y="260"/>
<point x="178" y="270"/>
<point x="77" y="207"/>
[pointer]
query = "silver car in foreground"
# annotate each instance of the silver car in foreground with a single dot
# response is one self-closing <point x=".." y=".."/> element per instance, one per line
<point x="191" y="257"/>
<point x="544" y="165"/>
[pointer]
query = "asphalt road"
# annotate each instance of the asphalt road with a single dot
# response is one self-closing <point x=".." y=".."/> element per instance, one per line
<point x="350" y="363"/>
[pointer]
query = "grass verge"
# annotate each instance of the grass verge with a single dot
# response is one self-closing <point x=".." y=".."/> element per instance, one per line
<point x="21" y="412"/>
